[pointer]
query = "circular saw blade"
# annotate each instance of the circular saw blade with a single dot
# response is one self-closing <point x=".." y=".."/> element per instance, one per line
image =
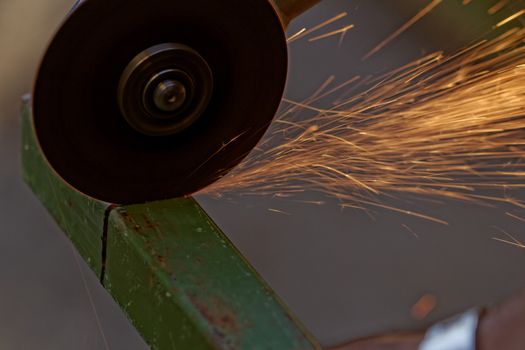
<point x="76" y="114"/>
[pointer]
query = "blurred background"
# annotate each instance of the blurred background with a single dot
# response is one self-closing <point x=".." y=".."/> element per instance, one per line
<point x="344" y="273"/>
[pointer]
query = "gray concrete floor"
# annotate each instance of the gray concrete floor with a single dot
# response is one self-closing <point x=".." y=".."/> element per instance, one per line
<point x="344" y="274"/>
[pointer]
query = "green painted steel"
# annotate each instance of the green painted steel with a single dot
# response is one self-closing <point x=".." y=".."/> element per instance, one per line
<point x="80" y="217"/>
<point x="174" y="273"/>
<point x="170" y="255"/>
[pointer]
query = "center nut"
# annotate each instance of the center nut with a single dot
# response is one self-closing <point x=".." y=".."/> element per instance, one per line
<point x="169" y="95"/>
<point x="165" y="89"/>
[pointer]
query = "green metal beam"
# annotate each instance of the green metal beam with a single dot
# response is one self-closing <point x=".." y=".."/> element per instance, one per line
<point x="79" y="216"/>
<point x="178" y="278"/>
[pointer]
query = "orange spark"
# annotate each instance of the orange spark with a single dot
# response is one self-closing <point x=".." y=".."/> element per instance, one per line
<point x="294" y="36"/>
<point x="511" y="18"/>
<point x="409" y="229"/>
<point x="278" y="211"/>
<point x="497" y="6"/>
<point x="515" y="217"/>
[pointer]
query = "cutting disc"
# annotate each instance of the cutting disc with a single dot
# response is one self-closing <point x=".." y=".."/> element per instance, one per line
<point x="235" y="53"/>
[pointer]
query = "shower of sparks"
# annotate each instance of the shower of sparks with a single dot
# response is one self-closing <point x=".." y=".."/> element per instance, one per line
<point x="403" y="28"/>
<point x="304" y="32"/>
<point x="442" y="126"/>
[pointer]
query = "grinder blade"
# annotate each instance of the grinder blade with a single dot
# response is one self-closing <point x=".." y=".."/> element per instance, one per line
<point x="81" y="115"/>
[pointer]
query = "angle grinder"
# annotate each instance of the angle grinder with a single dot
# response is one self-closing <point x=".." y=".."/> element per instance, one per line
<point x="137" y="101"/>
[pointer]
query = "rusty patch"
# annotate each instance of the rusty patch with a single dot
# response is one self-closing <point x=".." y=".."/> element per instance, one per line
<point x="148" y="223"/>
<point x="161" y="261"/>
<point x="217" y="314"/>
<point x="132" y="223"/>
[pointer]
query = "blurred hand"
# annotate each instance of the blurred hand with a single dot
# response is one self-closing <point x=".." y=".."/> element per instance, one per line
<point x="501" y="327"/>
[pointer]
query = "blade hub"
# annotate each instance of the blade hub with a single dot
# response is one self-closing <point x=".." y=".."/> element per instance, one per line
<point x="165" y="89"/>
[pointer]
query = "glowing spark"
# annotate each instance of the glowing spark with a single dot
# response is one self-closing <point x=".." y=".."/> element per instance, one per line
<point x="278" y="211"/>
<point x="294" y="36"/>
<point x="410" y="230"/>
<point x="406" y="212"/>
<point x="510" y="18"/>
<point x="341" y="31"/>
<point x="403" y="28"/>
<point x="309" y="202"/>
<point x="497" y="7"/>
<point x="515" y="217"/>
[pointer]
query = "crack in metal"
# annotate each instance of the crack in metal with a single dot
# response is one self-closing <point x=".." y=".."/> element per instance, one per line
<point x="104" y="238"/>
